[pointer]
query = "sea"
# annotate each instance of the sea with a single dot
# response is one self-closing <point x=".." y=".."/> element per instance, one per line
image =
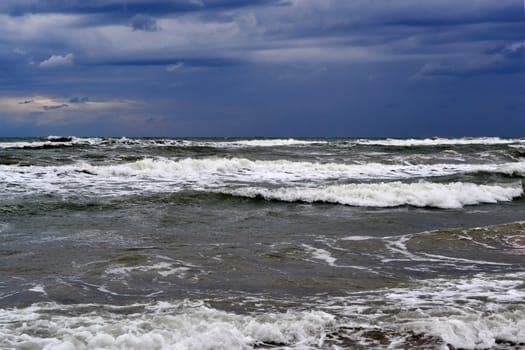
<point x="260" y="243"/>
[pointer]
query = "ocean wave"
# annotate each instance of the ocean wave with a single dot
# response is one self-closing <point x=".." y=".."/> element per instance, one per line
<point x="168" y="175"/>
<point x="163" y="325"/>
<point x="492" y="310"/>
<point x="247" y="143"/>
<point x="252" y="143"/>
<point x="50" y="142"/>
<point x="480" y="311"/>
<point x="438" y="141"/>
<point x="263" y="143"/>
<point x="390" y="194"/>
<point x="286" y="170"/>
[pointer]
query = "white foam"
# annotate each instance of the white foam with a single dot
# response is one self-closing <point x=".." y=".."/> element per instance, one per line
<point x="321" y="254"/>
<point x="390" y="194"/>
<point x="263" y="143"/>
<point x="465" y="236"/>
<point x="517" y="242"/>
<point x="32" y="144"/>
<point x="284" y="170"/>
<point x="163" y="268"/>
<point x="358" y="238"/>
<point x="168" y="175"/>
<point x="439" y="141"/>
<point x="398" y="246"/>
<point x="326" y="256"/>
<point x="461" y="260"/>
<point x="472" y="330"/>
<point x="124" y="142"/>
<point x="163" y="325"/>
<point x="215" y="143"/>
<point x="470" y="313"/>
<point x="38" y="289"/>
<point x="50" y="142"/>
<point x="245" y="143"/>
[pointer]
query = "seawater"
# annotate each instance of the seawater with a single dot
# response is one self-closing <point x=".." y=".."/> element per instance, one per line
<point x="123" y="243"/>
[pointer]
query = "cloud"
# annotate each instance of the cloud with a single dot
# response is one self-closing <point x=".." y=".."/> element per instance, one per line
<point x="50" y="112"/>
<point x="163" y="7"/>
<point x="19" y="51"/>
<point x="58" y="60"/>
<point x="144" y="23"/>
<point x="54" y="107"/>
<point x="236" y="47"/>
<point x="175" y="67"/>
<point x="43" y="104"/>
<point x="266" y="31"/>
<point x="504" y="60"/>
<point x="514" y="51"/>
<point x="77" y="99"/>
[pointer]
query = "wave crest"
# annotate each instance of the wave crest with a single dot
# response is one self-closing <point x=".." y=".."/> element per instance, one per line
<point x="390" y="194"/>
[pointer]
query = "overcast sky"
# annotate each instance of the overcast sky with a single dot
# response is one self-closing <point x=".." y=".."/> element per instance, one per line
<point x="357" y="68"/>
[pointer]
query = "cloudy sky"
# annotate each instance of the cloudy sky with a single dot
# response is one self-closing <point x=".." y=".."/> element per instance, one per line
<point x="262" y="68"/>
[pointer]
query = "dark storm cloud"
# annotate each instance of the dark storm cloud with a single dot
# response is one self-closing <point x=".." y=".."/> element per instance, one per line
<point x="395" y="28"/>
<point x="129" y="7"/>
<point x="269" y="60"/>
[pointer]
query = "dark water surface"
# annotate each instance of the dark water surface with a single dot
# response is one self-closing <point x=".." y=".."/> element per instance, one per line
<point x="262" y="243"/>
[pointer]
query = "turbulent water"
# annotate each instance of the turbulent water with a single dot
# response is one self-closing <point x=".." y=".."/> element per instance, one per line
<point x="262" y="243"/>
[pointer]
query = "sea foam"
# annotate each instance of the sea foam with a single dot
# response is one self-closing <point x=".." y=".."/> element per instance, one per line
<point x="292" y="170"/>
<point x="438" y="141"/>
<point x="172" y="175"/>
<point x="390" y="194"/>
<point x="164" y="325"/>
<point x="473" y="313"/>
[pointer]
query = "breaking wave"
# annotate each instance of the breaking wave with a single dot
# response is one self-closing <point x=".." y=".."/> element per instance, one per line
<point x="439" y="141"/>
<point x="290" y="170"/>
<point x="64" y="141"/>
<point x="390" y="194"/>
<point x="163" y="325"/>
<point x="319" y="182"/>
<point x="56" y="141"/>
<point x="480" y="311"/>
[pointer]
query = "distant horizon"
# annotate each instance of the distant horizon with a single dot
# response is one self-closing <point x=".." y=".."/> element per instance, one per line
<point x="264" y="137"/>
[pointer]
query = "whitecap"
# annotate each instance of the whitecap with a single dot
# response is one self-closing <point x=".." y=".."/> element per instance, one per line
<point x="438" y="141"/>
<point x="172" y="175"/>
<point x="184" y="325"/>
<point x="390" y="194"/>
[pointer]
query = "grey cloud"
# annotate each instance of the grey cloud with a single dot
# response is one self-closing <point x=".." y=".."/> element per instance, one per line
<point x="505" y="60"/>
<point x="239" y="30"/>
<point x="514" y="51"/>
<point x="55" y="107"/>
<point x="125" y="7"/>
<point x="58" y="60"/>
<point x="145" y="23"/>
<point x="77" y="99"/>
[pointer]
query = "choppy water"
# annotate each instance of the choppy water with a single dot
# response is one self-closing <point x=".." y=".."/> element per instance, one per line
<point x="262" y="243"/>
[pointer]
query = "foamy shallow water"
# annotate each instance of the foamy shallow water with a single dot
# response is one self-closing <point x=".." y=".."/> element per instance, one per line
<point x="480" y="312"/>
